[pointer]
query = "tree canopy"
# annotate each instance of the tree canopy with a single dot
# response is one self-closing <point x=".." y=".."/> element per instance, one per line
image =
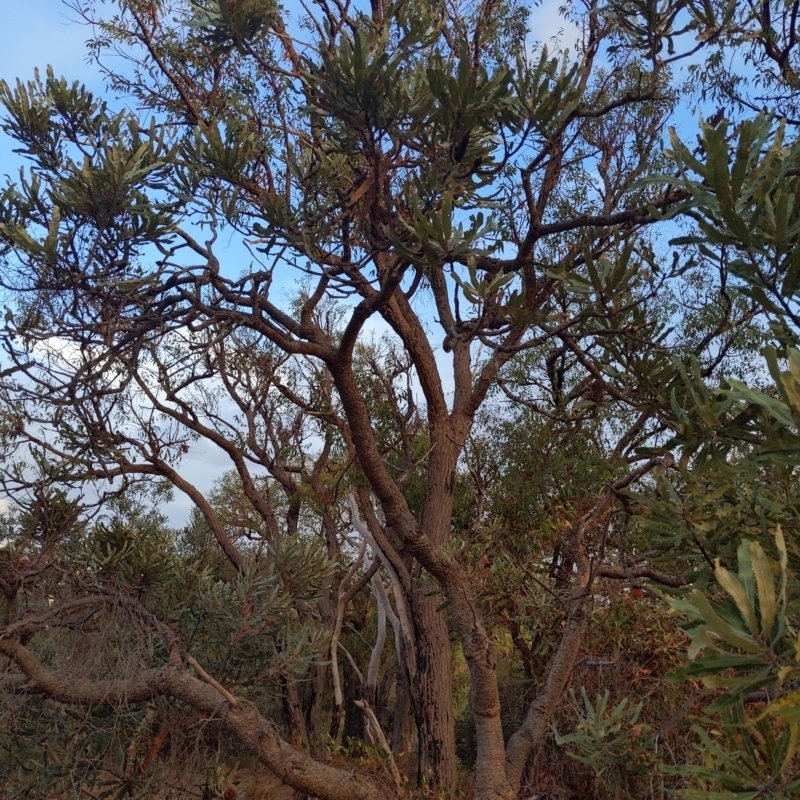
<point x="497" y="350"/>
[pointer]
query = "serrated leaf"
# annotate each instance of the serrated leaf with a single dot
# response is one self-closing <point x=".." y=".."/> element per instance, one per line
<point x="730" y="583"/>
<point x="787" y="707"/>
<point x="732" y="637"/>
<point x="765" y="587"/>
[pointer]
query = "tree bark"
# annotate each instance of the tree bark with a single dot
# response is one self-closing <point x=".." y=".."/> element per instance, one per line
<point x="424" y="542"/>
<point x="401" y="726"/>
<point x="295" y="716"/>
<point x="304" y="707"/>
<point x="432" y="686"/>
<point x="432" y="691"/>
<point x="314" y="708"/>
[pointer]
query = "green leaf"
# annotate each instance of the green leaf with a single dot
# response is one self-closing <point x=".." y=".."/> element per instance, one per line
<point x="731" y="585"/>
<point x="766" y="588"/>
<point x="728" y="634"/>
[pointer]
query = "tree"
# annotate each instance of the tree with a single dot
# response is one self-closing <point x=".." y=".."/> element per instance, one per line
<point x="412" y="163"/>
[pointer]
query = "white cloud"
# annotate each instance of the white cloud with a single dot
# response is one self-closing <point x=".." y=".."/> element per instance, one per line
<point x="56" y="348"/>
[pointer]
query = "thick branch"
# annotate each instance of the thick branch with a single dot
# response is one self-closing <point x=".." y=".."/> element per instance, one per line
<point x="532" y="731"/>
<point x="635" y="573"/>
<point x="258" y="734"/>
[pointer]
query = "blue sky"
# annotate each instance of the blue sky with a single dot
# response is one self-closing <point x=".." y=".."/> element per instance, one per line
<point x="40" y="32"/>
<point x="36" y="33"/>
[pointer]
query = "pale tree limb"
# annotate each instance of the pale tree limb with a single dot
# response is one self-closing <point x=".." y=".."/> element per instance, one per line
<point x="352" y="662"/>
<point x="213" y="682"/>
<point x="371" y="682"/>
<point x="382" y="598"/>
<point x="403" y="614"/>
<point x="377" y="732"/>
<point x="383" y="601"/>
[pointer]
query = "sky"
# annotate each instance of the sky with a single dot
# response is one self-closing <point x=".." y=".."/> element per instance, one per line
<point x="35" y="33"/>
<point x="38" y="33"/>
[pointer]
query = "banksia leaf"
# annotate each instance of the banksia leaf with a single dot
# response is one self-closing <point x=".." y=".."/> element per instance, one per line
<point x="765" y="587"/>
<point x="731" y="585"/>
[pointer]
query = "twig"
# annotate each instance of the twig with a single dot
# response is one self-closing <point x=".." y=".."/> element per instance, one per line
<point x="208" y="679"/>
<point x="379" y="735"/>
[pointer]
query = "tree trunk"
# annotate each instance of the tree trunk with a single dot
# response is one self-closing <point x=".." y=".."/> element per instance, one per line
<point x="314" y="708"/>
<point x="294" y="713"/>
<point x="432" y="692"/>
<point x="401" y="725"/>
<point x="303" y="704"/>
<point x="432" y="686"/>
<point x="241" y="718"/>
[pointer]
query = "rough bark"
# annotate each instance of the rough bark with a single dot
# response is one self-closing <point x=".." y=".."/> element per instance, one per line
<point x="304" y="702"/>
<point x="427" y="665"/>
<point x="432" y="686"/>
<point x="314" y="708"/>
<point x="432" y="691"/>
<point x="295" y="716"/>
<point x="401" y="726"/>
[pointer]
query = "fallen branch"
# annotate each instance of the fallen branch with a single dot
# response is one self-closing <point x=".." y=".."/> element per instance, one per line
<point x="255" y="732"/>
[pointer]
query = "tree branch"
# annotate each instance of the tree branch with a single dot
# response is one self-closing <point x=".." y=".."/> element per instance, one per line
<point x="254" y="731"/>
